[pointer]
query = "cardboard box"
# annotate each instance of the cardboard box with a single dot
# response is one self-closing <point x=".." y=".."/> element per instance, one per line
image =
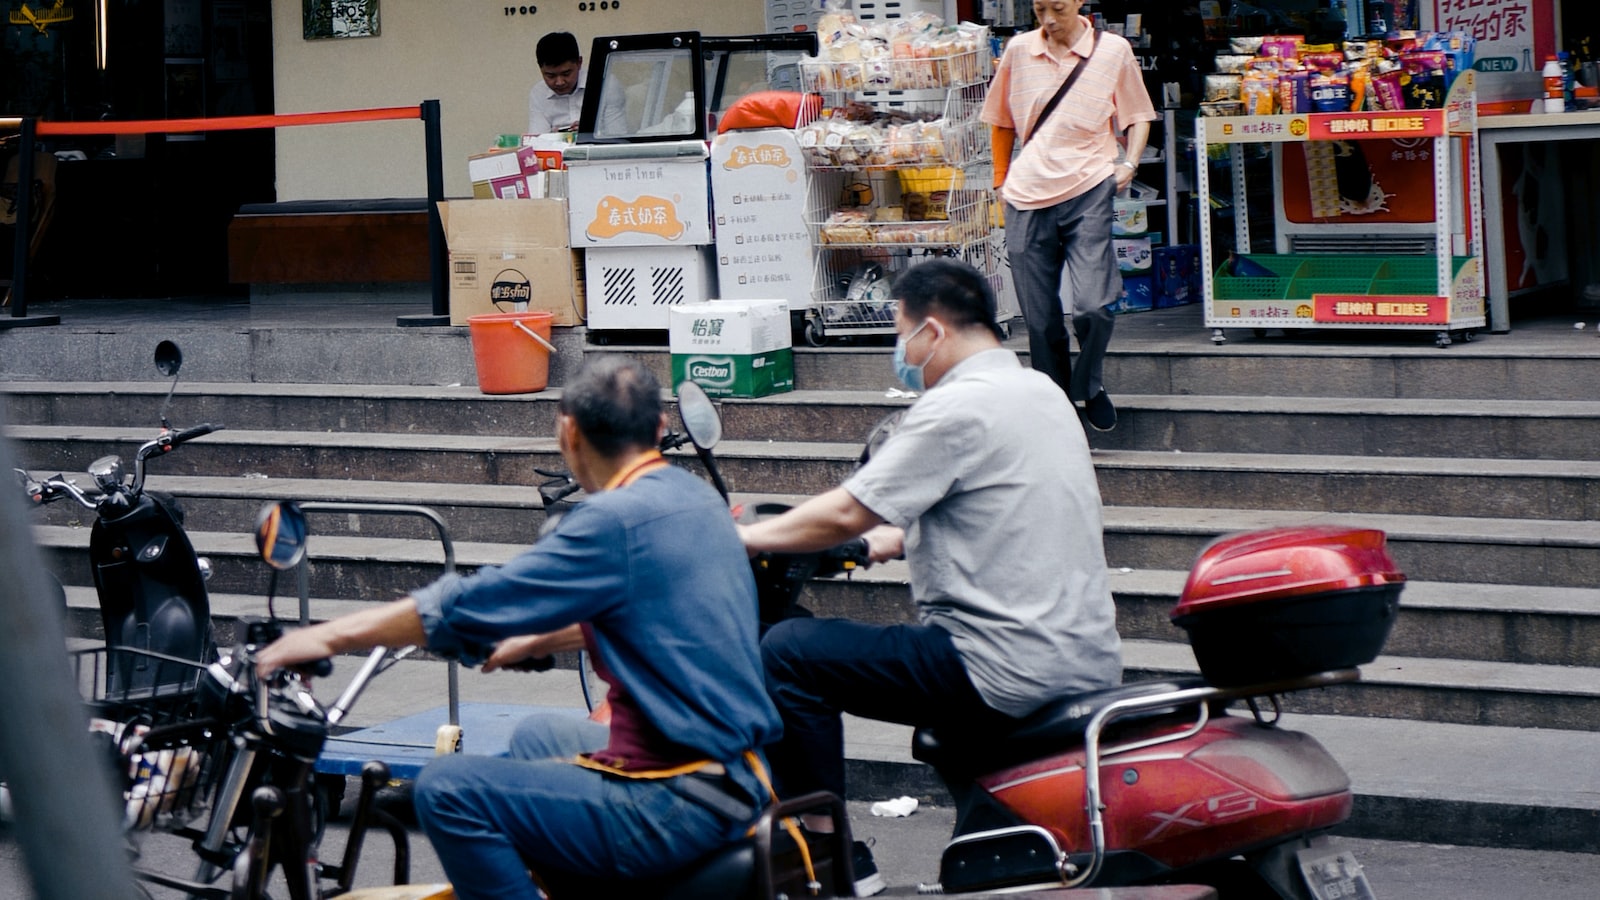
<point x="1133" y="255"/>
<point x="732" y="348"/>
<point x="1136" y="295"/>
<point x="1176" y="272"/>
<point x="505" y="254"/>
<point x="495" y="175"/>
<point x="1129" y="217"/>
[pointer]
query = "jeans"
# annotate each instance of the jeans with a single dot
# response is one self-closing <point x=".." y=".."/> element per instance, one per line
<point x="491" y="819"/>
<point x="1075" y="234"/>
<point x="818" y="669"/>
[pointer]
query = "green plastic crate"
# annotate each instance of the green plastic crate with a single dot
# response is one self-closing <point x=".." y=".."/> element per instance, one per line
<point x="1256" y="287"/>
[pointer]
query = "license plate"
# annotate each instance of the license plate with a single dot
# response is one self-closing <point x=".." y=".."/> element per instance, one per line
<point x="1334" y="874"/>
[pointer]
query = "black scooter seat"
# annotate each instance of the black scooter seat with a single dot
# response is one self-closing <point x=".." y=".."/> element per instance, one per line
<point x="727" y="874"/>
<point x="1056" y="727"/>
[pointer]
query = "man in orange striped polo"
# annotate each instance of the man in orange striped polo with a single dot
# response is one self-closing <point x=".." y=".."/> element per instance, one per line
<point x="1059" y="189"/>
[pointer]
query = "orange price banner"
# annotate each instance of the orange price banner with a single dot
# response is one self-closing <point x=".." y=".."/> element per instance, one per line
<point x="1380" y="310"/>
<point x="1355" y="126"/>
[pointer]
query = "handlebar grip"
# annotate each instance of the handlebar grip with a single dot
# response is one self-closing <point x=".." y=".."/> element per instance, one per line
<point x="534" y="664"/>
<point x="854" y="550"/>
<point x="189" y="434"/>
<point x="320" y="668"/>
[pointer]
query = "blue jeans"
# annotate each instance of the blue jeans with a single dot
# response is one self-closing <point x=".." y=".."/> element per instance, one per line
<point x="491" y="819"/>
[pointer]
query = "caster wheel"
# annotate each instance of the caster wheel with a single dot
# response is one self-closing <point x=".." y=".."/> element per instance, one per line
<point x="447" y="740"/>
<point x="815" y="336"/>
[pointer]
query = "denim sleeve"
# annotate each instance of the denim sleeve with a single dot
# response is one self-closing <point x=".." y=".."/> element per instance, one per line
<point x="574" y="574"/>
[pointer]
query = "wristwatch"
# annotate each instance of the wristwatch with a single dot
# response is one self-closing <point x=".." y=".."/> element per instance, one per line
<point x="1132" y="166"/>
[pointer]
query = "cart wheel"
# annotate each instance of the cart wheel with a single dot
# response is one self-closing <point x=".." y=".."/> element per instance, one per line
<point x="1469" y="336"/>
<point x="1442" y="339"/>
<point x="815" y="336"/>
<point x="447" y="740"/>
<point x="1217" y="337"/>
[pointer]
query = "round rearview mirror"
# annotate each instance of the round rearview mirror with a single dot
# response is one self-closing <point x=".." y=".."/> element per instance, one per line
<point x="281" y="535"/>
<point x="880" y="433"/>
<point x="699" y="414"/>
<point x="169" y="359"/>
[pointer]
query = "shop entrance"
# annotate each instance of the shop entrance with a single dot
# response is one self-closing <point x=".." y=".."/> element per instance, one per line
<point x="139" y="216"/>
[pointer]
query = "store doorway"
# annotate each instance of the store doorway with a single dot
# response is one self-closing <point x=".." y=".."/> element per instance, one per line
<point x="141" y="215"/>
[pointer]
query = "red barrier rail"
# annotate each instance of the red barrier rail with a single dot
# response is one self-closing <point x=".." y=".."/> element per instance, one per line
<point x="227" y="123"/>
<point x="427" y="111"/>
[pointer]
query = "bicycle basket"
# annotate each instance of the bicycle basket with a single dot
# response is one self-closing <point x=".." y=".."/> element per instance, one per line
<point x="167" y="757"/>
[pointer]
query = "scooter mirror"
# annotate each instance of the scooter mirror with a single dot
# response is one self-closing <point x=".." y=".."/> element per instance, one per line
<point x="107" y="472"/>
<point x="281" y="535"/>
<point x="699" y="414"/>
<point x="169" y="359"/>
<point x="880" y="433"/>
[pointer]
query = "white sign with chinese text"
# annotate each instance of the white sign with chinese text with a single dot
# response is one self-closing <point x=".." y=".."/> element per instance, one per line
<point x="758" y="191"/>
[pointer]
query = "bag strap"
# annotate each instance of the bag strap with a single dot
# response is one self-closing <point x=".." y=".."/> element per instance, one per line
<point x="1062" y="91"/>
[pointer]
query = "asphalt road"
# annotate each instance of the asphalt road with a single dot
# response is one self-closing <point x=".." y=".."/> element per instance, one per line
<point x="907" y="850"/>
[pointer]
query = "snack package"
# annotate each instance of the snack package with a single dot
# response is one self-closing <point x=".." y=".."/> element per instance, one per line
<point x="1232" y="63"/>
<point x="1330" y="92"/>
<point x="1222" y="87"/>
<point x="1285" y="46"/>
<point x="1258" y="92"/>
<point x="1294" y="93"/>
<point x="1387" y="91"/>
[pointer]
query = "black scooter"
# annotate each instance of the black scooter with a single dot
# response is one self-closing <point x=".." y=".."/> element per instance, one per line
<point x="150" y="581"/>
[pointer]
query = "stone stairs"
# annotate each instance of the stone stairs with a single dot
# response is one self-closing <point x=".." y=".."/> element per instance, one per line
<point x="1478" y="461"/>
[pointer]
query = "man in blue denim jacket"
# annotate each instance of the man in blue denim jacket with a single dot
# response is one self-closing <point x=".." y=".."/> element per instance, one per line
<point x="649" y="574"/>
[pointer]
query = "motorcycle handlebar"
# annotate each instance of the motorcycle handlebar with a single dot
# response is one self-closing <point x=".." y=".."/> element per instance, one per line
<point x="189" y="434"/>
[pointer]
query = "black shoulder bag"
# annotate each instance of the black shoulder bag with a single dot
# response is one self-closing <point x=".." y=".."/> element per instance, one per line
<point x="1066" y="85"/>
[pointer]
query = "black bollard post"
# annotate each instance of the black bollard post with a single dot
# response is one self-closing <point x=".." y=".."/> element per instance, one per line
<point x="19" y="317"/>
<point x="437" y="260"/>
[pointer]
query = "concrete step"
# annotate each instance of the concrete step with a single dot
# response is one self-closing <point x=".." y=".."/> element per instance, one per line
<point x="1447" y="549"/>
<point x="1211" y="423"/>
<point x="1469" y="691"/>
<point x="1149" y="356"/>
<point x="1312" y="483"/>
<point x="473" y="512"/>
<point x="1519" y="489"/>
<point x="1427" y="548"/>
<point x="1439" y="620"/>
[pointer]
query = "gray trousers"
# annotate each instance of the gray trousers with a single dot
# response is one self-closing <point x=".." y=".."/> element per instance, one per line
<point x="1075" y="234"/>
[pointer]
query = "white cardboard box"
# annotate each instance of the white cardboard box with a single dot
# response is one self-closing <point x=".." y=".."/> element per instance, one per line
<point x="733" y="348"/>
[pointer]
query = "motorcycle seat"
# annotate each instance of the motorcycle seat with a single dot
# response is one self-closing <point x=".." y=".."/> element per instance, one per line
<point x="1056" y="727"/>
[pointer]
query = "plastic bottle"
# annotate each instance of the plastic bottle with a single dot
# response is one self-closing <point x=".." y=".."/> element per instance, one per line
<point x="1555" y="88"/>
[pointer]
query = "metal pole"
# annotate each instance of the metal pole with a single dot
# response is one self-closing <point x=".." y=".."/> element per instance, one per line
<point x="24" y="235"/>
<point x="61" y="790"/>
<point x="437" y="260"/>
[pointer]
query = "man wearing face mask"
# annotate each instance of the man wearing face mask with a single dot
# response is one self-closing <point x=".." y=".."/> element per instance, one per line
<point x="988" y="489"/>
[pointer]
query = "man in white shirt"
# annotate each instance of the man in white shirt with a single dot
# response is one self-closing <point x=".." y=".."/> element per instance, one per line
<point x="556" y="103"/>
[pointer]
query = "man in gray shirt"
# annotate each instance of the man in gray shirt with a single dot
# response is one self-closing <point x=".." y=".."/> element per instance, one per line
<point x="988" y="488"/>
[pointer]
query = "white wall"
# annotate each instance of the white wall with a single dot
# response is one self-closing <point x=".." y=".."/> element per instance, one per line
<point x="468" y="54"/>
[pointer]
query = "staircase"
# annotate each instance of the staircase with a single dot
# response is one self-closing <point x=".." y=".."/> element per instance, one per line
<point x="1476" y="727"/>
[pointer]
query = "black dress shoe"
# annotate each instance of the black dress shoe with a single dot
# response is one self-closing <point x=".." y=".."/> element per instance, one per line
<point x="1101" y="414"/>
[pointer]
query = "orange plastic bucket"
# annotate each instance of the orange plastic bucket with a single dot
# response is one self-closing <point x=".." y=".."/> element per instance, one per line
<point x="510" y="359"/>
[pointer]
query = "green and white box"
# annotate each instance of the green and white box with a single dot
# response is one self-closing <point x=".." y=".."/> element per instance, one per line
<point x="732" y="348"/>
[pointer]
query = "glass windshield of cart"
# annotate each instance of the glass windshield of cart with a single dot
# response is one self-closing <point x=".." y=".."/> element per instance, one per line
<point x="650" y="87"/>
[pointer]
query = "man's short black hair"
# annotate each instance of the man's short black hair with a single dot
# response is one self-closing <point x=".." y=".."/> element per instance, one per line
<point x="616" y="403"/>
<point x="556" y="48"/>
<point x="954" y="291"/>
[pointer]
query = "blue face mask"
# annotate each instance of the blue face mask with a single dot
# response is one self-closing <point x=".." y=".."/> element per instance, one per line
<point x="909" y="374"/>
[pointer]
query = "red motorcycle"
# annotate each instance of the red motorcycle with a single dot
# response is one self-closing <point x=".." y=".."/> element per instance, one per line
<point x="1154" y="782"/>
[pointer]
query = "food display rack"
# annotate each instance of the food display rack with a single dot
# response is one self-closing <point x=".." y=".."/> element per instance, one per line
<point x="1442" y="292"/>
<point x="908" y="176"/>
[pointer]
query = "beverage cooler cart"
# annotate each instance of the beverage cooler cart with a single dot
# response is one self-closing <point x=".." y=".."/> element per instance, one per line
<point x="898" y="170"/>
<point x="1441" y="290"/>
